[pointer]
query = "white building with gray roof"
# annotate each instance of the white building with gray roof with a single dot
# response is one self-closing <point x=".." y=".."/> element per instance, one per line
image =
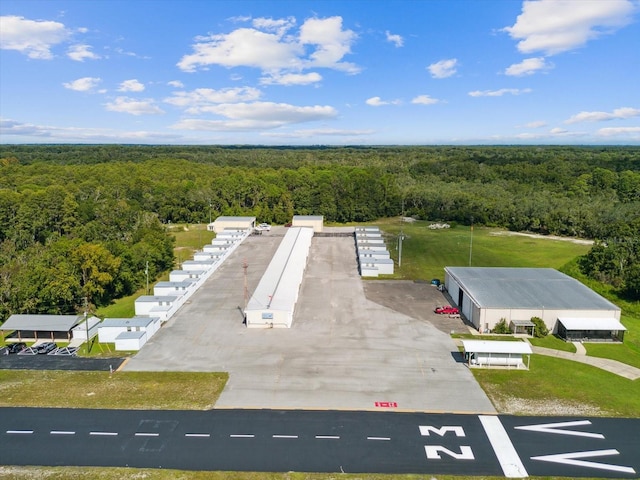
<point x="487" y="295"/>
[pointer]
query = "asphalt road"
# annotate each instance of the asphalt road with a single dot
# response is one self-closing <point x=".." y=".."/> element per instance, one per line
<point x="58" y="362"/>
<point x="323" y="441"/>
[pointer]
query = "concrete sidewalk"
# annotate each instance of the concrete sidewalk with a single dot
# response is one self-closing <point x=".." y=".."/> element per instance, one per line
<point x="613" y="366"/>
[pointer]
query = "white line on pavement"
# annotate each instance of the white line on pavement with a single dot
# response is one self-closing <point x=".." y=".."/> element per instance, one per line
<point x="379" y="438"/>
<point x="19" y="431"/>
<point x="204" y="435"/>
<point x="243" y="435"/>
<point x="332" y="437"/>
<point x="145" y="434"/>
<point x="104" y="434"/>
<point x="61" y="432"/>
<point x="285" y="436"/>
<point x="505" y="451"/>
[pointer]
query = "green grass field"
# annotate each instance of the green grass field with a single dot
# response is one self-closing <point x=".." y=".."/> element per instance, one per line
<point x="426" y="252"/>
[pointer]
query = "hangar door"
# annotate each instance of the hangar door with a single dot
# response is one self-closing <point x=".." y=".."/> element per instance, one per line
<point x="465" y="305"/>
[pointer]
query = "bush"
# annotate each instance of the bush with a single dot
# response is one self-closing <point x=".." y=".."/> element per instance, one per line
<point x="540" y="329"/>
<point x="501" y="327"/>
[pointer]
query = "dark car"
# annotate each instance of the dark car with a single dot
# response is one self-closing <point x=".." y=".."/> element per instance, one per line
<point x="45" y="348"/>
<point x="14" y="348"/>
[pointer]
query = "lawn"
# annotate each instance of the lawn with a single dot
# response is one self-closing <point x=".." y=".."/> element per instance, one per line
<point x="551" y="341"/>
<point x="426" y="252"/>
<point x="189" y="238"/>
<point x="570" y="385"/>
<point x="126" y="390"/>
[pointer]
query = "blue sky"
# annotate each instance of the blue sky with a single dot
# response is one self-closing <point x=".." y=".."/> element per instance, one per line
<point x="320" y="72"/>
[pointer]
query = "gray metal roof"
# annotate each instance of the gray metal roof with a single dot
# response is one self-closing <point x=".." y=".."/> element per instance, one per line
<point x="503" y="287"/>
<point x="46" y="323"/>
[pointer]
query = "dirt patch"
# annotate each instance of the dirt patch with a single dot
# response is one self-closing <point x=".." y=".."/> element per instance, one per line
<point x="579" y="241"/>
<point x="523" y="406"/>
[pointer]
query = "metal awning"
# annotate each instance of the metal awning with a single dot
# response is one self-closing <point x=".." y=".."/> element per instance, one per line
<point x="495" y="346"/>
<point x="594" y="324"/>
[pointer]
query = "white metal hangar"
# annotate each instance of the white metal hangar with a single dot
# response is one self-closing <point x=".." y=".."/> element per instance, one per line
<point x="485" y="295"/>
<point x="274" y="299"/>
<point x="240" y="223"/>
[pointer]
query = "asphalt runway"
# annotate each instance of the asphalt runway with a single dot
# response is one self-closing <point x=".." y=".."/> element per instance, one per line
<point x="323" y="441"/>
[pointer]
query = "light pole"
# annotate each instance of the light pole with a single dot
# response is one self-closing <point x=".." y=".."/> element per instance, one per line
<point x="146" y="271"/>
<point x="471" y="242"/>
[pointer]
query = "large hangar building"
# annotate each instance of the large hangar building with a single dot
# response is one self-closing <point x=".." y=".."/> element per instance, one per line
<point x="487" y="295"/>
<point x="274" y="299"/>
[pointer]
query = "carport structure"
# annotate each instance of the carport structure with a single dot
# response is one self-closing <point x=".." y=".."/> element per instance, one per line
<point x="492" y="353"/>
<point x="591" y="329"/>
<point x="36" y="327"/>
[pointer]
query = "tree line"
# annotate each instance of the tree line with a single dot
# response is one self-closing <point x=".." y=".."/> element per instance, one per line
<point x="79" y="223"/>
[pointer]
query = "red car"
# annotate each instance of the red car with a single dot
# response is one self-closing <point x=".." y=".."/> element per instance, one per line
<point x="447" y="310"/>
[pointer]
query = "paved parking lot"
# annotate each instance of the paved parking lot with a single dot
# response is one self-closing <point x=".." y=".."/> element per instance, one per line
<point x="350" y="346"/>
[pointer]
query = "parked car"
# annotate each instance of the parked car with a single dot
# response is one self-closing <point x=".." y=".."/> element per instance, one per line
<point x="14" y="348"/>
<point x="263" y="227"/>
<point x="447" y="310"/>
<point x="45" y="348"/>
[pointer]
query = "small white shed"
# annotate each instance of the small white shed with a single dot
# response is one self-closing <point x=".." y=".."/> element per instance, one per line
<point x="314" y="221"/>
<point x="172" y="288"/>
<point x="241" y="223"/>
<point x="198" y="265"/>
<point x="110" y="328"/>
<point x="89" y="326"/>
<point x="180" y="275"/>
<point x="148" y="304"/>
<point x="131" y="341"/>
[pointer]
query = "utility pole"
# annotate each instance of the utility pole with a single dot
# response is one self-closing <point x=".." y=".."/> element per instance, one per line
<point x="210" y="205"/>
<point x="245" y="265"/>
<point x="86" y="322"/>
<point x="146" y="271"/>
<point x="471" y="242"/>
<point x="401" y="236"/>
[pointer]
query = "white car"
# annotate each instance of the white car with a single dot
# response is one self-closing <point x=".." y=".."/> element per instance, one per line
<point x="263" y="227"/>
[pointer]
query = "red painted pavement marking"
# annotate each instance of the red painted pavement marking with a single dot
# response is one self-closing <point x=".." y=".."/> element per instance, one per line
<point x="386" y="404"/>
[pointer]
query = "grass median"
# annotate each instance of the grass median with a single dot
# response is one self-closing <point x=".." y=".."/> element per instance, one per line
<point x="127" y="390"/>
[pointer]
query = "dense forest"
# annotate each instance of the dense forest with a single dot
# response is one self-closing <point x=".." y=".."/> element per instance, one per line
<point x="80" y="223"/>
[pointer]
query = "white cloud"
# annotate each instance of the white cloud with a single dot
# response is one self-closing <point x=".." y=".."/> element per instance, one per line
<point x="257" y="116"/>
<point x="555" y="26"/>
<point x="443" y="68"/>
<point x="378" y="102"/>
<point x="397" y="40"/>
<point x="288" y="79"/>
<point x="424" y="100"/>
<point x="528" y="66"/>
<point x="535" y="124"/>
<point x="34" y="38"/>
<point x="132" y="85"/>
<point x="632" y="132"/>
<point x="270" y="47"/>
<point x="499" y="93"/>
<point x="83" y="84"/>
<point x="617" y="114"/>
<point x="201" y="100"/>
<point x="134" y="106"/>
<point x="81" y="52"/>
<point x="320" y="132"/>
<point x="280" y="25"/>
<point x="176" y="84"/>
<point x="82" y="135"/>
